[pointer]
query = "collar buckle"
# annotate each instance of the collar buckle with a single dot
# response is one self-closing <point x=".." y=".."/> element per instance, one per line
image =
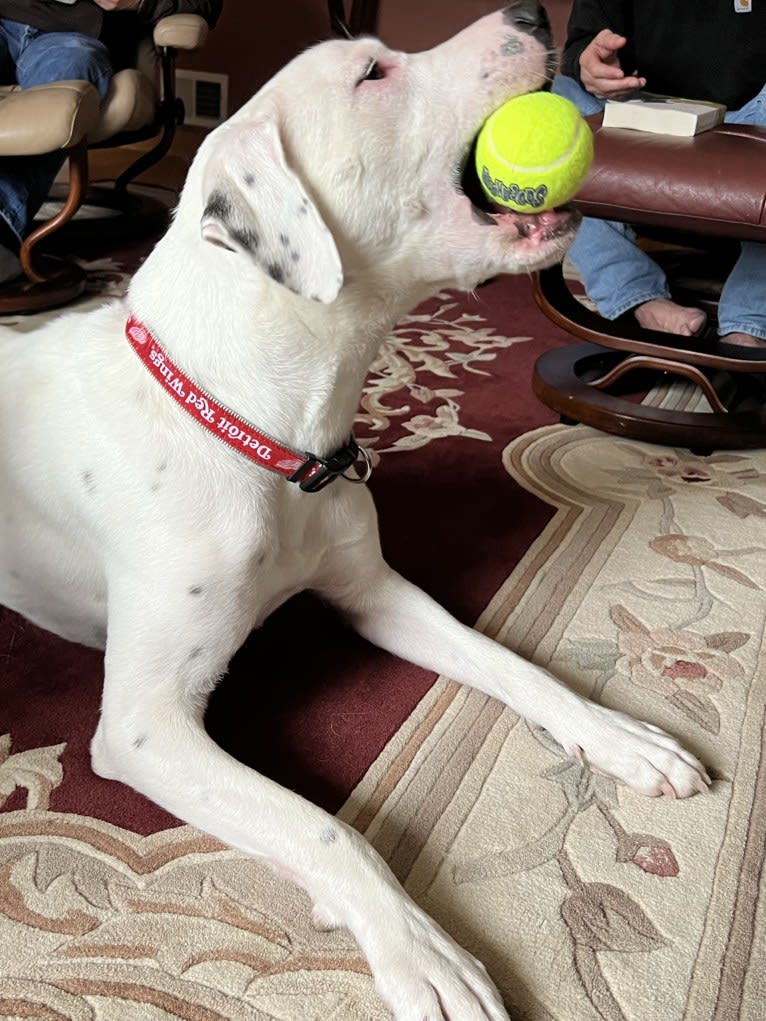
<point x="318" y="472"/>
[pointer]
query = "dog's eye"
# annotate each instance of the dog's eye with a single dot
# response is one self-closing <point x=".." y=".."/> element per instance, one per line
<point x="373" y="73"/>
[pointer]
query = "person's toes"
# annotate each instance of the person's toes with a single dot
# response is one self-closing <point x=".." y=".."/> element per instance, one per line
<point x="694" y="324"/>
<point x="743" y="340"/>
<point x="666" y="316"/>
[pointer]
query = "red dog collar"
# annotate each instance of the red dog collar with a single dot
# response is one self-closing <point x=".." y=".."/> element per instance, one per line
<point x="308" y="470"/>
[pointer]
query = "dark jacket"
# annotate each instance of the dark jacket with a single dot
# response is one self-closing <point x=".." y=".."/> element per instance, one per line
<point x="701" y="49"/>
<point x="118" y="29"/>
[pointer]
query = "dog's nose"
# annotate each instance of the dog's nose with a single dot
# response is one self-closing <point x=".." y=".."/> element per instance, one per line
<point x="530" y="16"/>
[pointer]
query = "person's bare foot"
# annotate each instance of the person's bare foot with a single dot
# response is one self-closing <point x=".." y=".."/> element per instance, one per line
<point x="742" y="346"/>
<point x="744" y="340"/>
<point x="666" y="316"/>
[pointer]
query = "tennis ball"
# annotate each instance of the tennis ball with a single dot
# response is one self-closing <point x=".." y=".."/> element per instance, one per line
<point x="533" y="153"/>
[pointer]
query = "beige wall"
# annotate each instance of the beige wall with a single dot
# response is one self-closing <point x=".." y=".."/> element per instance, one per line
<point x="254" y="39"/>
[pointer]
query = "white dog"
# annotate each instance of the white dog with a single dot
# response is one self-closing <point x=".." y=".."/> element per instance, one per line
<point x="334" y="205"/>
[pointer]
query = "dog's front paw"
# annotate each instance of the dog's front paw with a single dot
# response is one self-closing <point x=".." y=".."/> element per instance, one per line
<point x="640" y="754"/>
<point x="423" y="975"/>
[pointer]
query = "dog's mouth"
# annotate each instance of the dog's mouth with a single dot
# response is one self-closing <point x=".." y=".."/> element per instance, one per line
<point x="469" y="184"/>
<point x="556" y="222"/>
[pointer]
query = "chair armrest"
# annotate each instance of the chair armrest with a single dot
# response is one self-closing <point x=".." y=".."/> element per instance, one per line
<point x="46" y="117"/>
<point x="181" y="32"/>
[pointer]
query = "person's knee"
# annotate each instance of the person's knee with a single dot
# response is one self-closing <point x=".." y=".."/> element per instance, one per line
<point x="752" y="113"/>
<point x="59" y="56"/>
<point x="575" y="93"/>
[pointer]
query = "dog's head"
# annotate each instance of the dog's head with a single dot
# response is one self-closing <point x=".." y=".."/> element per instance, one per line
<point x="348" y="165"/>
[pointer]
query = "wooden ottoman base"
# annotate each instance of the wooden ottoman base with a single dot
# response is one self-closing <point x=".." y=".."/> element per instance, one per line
<point x="594" y="382"/>
<point x="582" y="384"/>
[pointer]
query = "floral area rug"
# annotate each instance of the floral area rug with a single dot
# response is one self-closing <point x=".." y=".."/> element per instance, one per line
<point x="636" y="572"/>
<point x="647" y="591"/>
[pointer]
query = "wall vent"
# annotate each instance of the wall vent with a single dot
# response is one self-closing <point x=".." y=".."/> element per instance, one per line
<point x="205" y="97"/>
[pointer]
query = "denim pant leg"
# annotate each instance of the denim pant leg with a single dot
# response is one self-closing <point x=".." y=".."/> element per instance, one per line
<point x="742" y="305"/>
<point x="41" y="58"/>
<point x="616" y="274"/>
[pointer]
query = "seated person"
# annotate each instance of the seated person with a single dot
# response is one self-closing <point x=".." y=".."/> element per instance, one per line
<point x="703" y="50"/>
<point x="44" y="41"/>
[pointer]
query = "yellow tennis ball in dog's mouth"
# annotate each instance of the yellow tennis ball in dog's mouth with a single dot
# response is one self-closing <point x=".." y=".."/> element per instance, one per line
<point x="533" y="153"/>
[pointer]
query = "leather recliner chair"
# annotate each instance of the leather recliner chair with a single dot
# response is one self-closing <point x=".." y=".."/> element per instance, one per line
<point x="141" y="104"/>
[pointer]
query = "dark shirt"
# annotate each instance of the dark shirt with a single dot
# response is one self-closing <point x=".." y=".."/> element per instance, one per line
<point x="700" y="49"/>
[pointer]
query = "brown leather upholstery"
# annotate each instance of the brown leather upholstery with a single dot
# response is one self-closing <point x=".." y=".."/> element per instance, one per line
<point x="713" y="184"/>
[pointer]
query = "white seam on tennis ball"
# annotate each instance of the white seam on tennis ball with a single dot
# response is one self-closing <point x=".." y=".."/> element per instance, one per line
<point x="543" y="168"/>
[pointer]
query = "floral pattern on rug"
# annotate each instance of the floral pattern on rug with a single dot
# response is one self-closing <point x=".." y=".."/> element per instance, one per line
<point x="97" y="922"/>
<point x="587" y="901"/>
<point x="412" y="395"/>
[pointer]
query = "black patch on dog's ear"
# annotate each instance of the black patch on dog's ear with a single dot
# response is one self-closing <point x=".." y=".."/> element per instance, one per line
<point x="247" y="239"/>
<point x="219" y="207"/>
<point x="255" y="203"/>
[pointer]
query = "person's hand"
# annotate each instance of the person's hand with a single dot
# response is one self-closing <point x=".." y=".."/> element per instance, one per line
<point x="118" y="5"/>
<point x="600" y="71"/>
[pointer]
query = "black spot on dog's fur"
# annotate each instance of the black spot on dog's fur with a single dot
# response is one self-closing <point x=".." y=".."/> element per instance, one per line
<point x="245" y="238"/>
<point x="218" y="206"/>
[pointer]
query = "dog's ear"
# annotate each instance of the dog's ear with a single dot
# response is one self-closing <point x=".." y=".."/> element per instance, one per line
<point x="255" y="204"/>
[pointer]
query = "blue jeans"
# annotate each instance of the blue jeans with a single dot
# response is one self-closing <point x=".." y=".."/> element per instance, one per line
<point x="30" y="57"/>
<point x="618" y="275"/>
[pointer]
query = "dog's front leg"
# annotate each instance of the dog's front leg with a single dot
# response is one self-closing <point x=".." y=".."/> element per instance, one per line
<point x="151" y="736"/>
<point x="398" y="616"/>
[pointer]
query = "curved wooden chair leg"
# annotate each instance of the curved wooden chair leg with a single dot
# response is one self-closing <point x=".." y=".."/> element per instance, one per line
<point x="634" y="363"/>
<point x="49" y="281"/>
